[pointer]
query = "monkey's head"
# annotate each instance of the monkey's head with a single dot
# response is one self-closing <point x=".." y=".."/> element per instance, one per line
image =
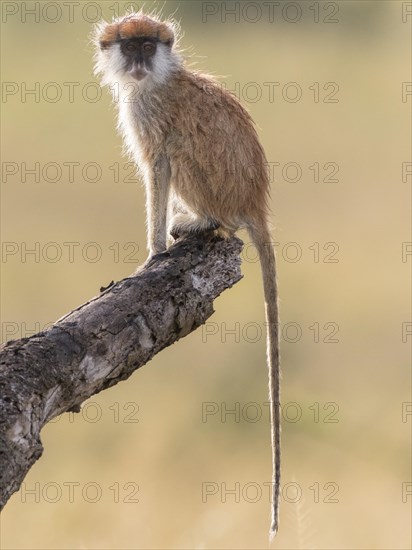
<point x="136" y="48"/>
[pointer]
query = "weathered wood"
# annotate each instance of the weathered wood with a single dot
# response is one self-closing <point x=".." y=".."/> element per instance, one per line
<point x="103" y="342"/>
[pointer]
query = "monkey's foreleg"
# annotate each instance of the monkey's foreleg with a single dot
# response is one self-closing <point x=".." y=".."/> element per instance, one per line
<point x="157" y="193"/>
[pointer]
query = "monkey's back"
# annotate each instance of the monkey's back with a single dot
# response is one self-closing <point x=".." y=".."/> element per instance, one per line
<point x="221" y="146"/>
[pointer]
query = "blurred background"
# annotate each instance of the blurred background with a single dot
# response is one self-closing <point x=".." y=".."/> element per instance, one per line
<point x="178" y="456"/>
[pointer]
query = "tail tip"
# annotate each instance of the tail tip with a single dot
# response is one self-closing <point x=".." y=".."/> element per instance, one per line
<point x="273" y="531"/>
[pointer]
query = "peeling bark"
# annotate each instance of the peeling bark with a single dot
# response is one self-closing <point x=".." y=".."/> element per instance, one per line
<point x="103" y="342"/>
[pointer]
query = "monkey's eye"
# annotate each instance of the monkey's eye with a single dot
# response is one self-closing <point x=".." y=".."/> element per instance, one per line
<point x="130" y="47"/>
<point x="149" y="48"/>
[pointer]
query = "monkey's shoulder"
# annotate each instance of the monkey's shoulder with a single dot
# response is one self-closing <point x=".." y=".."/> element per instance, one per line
<point x="208" y="91"/>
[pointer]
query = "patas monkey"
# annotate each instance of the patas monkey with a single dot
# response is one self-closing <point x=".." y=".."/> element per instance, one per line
<point x="200" y="157"/>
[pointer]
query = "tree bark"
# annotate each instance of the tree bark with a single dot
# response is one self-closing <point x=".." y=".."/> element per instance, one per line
<point x="104" y="341"/>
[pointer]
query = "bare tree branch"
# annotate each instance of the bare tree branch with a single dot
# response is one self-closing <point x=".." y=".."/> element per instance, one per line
<point x="103" y="342"/>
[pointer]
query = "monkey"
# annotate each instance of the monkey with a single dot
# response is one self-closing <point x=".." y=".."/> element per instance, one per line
<point x="203" y="165"/>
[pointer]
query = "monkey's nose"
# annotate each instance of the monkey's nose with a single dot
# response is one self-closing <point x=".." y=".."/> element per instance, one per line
<point x="138" y="72"/>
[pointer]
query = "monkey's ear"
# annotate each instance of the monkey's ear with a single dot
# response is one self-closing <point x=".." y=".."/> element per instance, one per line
<point x="106" y="34"/>
<point x="104" y="44"/>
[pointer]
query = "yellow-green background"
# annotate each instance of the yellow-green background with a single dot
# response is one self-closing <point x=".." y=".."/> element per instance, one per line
<point x="169" y="453"/>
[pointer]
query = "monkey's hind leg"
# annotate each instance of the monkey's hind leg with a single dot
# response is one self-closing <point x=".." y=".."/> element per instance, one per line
<point x="185" y="223"/>
<point x="182" y="221"/>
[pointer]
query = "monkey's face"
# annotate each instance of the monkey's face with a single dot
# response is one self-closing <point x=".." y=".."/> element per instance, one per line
<point x="135" y="48"/>
<point x="138" y="54"/>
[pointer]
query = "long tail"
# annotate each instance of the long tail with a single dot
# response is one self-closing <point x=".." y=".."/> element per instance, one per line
<point x="262" y="239"/>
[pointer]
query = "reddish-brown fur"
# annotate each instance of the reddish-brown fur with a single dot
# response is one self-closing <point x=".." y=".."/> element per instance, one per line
<point x="130" y="27"/>
<point x="218" y="167"/>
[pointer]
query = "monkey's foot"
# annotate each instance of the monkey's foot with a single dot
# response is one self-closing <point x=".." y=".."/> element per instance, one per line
<point x="183" y="224"/>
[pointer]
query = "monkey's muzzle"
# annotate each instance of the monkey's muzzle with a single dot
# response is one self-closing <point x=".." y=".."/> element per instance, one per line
<point x="138" y="72"/>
